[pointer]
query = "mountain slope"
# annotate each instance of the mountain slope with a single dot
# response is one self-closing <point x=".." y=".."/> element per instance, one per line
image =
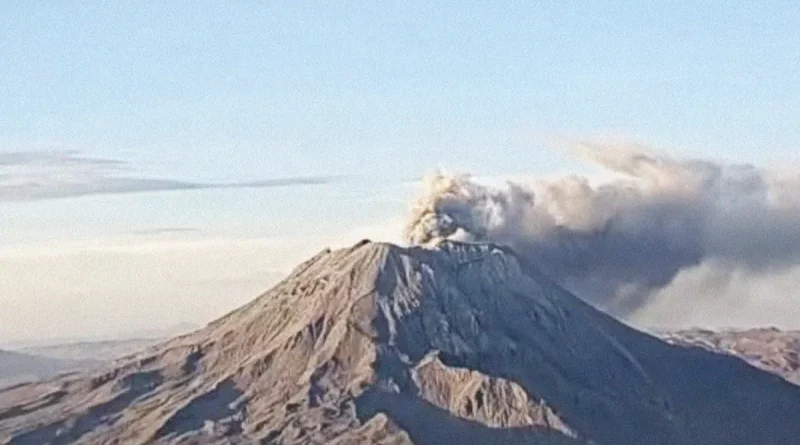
<point x="458" y="344"/>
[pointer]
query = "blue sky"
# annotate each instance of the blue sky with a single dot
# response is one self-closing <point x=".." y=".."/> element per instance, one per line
<point x="378" y="92"/>
<point x="266" y="89"/>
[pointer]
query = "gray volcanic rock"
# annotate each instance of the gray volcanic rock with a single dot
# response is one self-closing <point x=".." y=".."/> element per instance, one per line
<point x="378" y="344"/>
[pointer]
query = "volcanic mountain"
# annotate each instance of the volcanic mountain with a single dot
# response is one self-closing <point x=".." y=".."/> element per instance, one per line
<point x="380" y="344"/>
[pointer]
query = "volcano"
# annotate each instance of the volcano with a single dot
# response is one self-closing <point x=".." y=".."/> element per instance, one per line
<point x="379" y="344"/>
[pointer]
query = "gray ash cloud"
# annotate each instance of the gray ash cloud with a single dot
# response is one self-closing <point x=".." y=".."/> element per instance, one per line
<point x="621" y="243"/>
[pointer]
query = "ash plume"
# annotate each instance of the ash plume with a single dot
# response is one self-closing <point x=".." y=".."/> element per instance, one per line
<point x="620" y="244"/>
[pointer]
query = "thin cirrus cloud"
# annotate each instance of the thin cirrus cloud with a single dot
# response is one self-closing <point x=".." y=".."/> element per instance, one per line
<point x="37" y="175"/>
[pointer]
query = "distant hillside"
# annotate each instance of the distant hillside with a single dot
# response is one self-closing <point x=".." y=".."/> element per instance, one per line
<point x="770" y="349"/>
<point x="92" y="350"/>
<point x="17" y="367"/>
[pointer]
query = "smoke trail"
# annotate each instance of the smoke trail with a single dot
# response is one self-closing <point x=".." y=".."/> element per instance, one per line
<point x="620" y="243"/>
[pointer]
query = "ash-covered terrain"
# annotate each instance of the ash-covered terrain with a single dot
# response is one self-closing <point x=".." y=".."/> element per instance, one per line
<point x="379" y="344"/>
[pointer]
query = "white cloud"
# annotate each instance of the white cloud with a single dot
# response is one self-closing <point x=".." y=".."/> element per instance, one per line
<point x="33" y="175"/>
